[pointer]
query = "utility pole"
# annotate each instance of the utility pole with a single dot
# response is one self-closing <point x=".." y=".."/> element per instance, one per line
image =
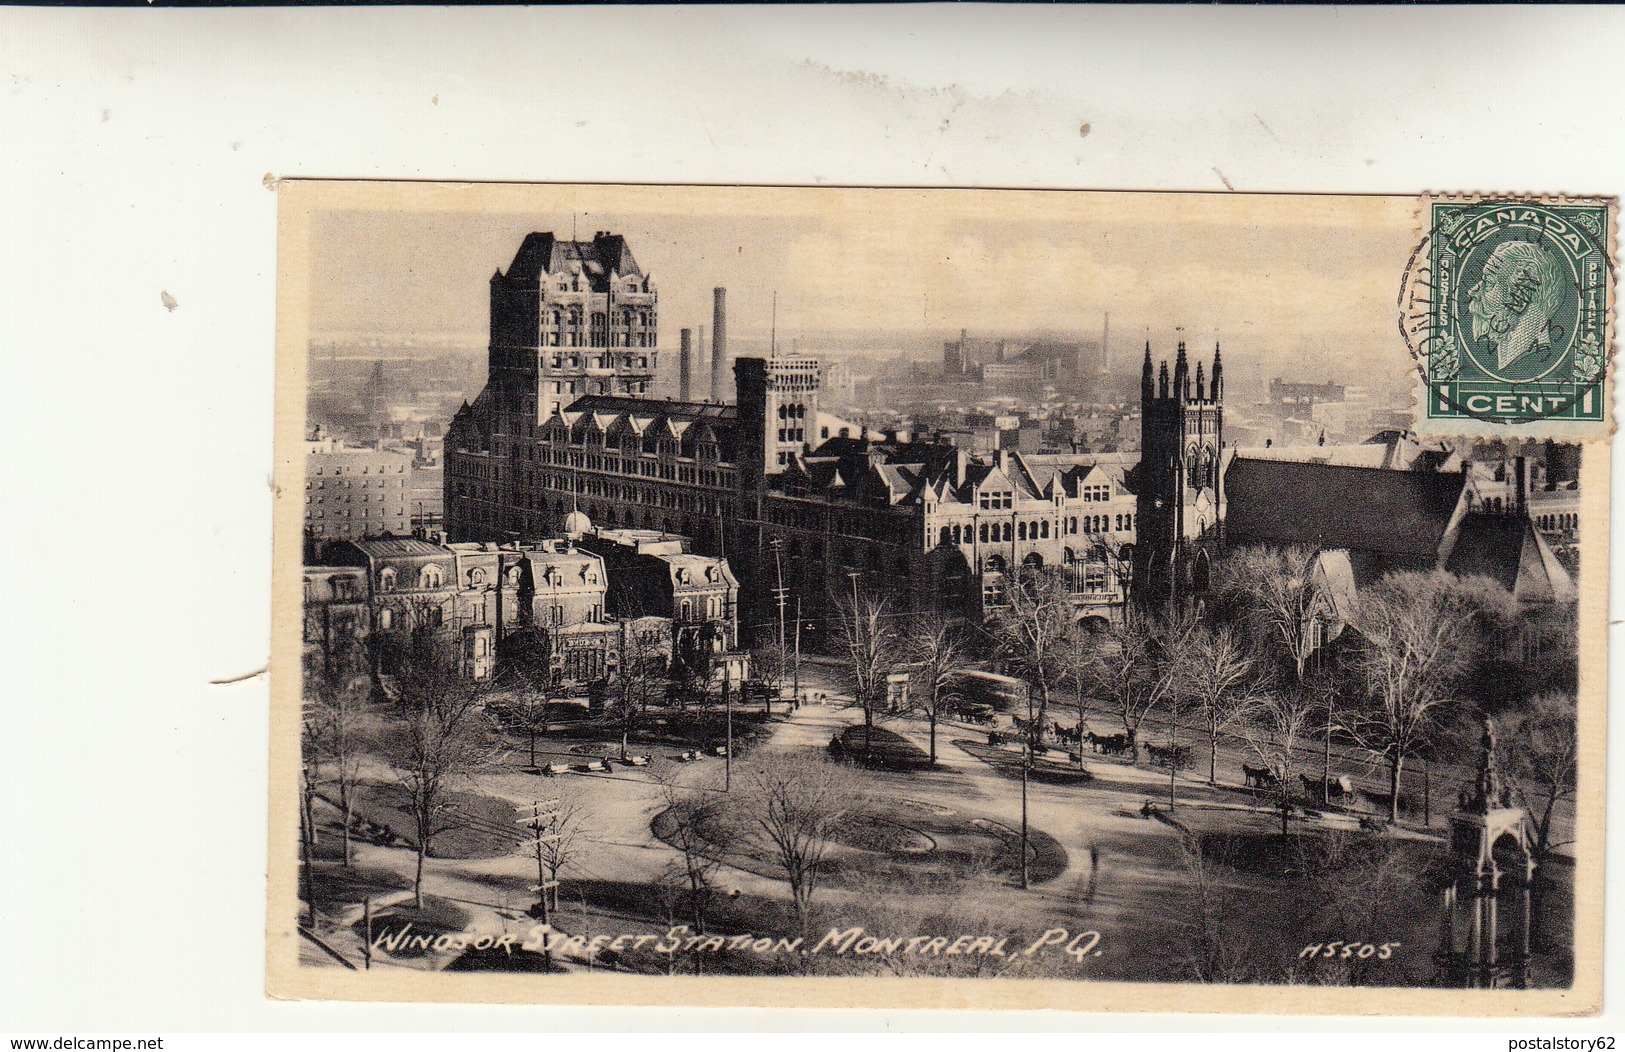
<point x="1026" y="769"/>
<point x="795" y="674"/>
<point x="781" y="595"/>
<point x="777" y="544"/>
<point x="539" y="816"/>
<point x="728" y="721"/>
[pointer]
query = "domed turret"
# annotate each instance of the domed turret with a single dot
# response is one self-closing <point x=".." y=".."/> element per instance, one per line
<point x="576" y="524"/>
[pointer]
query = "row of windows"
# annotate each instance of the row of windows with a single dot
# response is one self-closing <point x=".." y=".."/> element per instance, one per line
<point x="992" y="532"/>
<point x="599" y="361"/>
<point x="792" y="412"/>
<point x="714" y="609"/>
<point x="383" y="469"/>
<point x="350" y="484"/>
<point x="1558" y="522"/>
<point x="325" y="499"/>
<point x="383" y="513"/>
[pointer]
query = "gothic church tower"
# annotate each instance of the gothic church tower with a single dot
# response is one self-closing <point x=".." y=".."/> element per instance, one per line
<point x="1179" y="481"/>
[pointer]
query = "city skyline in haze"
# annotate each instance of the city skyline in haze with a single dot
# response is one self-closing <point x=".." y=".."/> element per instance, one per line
<point x="1297" y="284"/>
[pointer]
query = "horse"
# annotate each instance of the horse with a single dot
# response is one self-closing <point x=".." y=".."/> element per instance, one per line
<point x="1259" y="777"/>
<point x="1109" y="744"/>
<point x="1338" y="787"/>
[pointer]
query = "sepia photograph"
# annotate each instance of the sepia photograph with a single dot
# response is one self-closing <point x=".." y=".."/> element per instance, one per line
<point x="929" y="586"/>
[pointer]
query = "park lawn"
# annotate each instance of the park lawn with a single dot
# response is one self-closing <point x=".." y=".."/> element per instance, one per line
<point x="474" y="820"/>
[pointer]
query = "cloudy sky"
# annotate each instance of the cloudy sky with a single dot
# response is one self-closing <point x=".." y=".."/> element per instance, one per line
<point x="1281" y="277"/>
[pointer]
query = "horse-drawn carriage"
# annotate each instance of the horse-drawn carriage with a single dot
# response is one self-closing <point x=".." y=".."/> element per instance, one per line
<point x="1177" y="757"/>
<point x="1108" y="744"/>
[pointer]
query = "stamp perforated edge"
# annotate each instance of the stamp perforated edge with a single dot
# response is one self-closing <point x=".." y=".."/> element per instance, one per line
<point x="1412" y="300"/>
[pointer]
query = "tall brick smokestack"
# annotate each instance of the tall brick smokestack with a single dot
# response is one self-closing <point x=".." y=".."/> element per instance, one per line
<point x="719" y="344"/>
<point x="701" y="363"/>
<point x="685" y="366"/>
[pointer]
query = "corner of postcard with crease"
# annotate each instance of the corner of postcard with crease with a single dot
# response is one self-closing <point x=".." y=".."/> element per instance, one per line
<point x="940" y="598"/>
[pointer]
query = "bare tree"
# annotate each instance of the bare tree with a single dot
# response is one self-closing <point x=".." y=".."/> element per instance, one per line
<point x="1268" y="590"/>
<point x="864" y="626"/>
<point x="936" y="656"/>
<point x="792" y="807"/>
<point x="564" y="835"/>
<point x="690" y="815"/>
<point x="335" y="722"/>
<point x="1124" y="666"/>
<point x="1217" y="671"/>
<point x="1421" y="637"/>
<point x="1277" y="728"/>
<point x="639" y="682"/>
<point x="1539" y="752"/>
<point x="1221" y="948"/>
<point x="1037" y="633"/>
<point x="770" y="666"/>
<point x="440" y="739"/>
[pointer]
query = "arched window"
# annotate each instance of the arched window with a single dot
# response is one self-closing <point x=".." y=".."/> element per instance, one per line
<point x="1007" y="532"/>
<point x="431" y="577"/>
<point x="945" y="536"/>
<point x="386" y="619"/>
<point x="476" y="577"/>
<point x="983" y="533"/>
<point x="386" y="579"/>
<point x="687" y="610"/>
<point x="1021" y="531"/>
<point x="1043" y="529"/>
<point x="994" y="563"/>
<point x="956" y="535"/>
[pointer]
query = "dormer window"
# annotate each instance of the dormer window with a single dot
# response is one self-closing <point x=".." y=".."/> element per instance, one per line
<point x="431" y="577"/>
<point x="476" y="577"/>
<point x="386" y="579"/>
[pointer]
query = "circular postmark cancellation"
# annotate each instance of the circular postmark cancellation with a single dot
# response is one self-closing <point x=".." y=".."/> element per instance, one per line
<point x="1506" y="306"/>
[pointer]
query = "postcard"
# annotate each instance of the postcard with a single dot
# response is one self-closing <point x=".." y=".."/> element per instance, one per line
<point x="933" y="598"/>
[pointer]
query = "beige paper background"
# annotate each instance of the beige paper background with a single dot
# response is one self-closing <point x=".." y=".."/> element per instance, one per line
<point x="919" y="212"/>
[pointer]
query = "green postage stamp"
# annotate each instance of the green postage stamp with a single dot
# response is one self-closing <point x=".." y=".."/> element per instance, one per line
<point x="1508" y="307"/>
